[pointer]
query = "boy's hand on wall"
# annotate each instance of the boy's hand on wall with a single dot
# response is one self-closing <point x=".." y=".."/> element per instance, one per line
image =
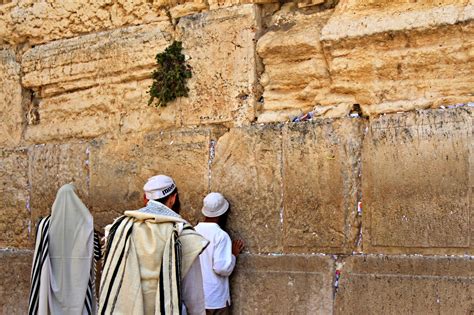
<point x="237" y="247"/>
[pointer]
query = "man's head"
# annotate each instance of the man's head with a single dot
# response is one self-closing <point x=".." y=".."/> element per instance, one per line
<point x="162" y="188"/>
<point x="215" y="208"/>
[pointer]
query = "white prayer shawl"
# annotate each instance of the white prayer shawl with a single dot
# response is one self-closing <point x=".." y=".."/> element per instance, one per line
<point x="63" y="273"/>
<point x="148" y="252"/>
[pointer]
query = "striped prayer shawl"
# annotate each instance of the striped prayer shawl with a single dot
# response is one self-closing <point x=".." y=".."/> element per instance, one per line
<point x="120" y="287"/>
<point x="41" y="257"/>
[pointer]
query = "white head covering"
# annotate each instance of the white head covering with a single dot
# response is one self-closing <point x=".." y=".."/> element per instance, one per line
<point x="158" y="187"/>
<point x="214" y="205"/>
<point x="71" y="238"/>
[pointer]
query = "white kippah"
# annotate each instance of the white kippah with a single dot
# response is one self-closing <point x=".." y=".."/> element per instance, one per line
<point x="158" y="187"/>
<point x="214" y="205"/>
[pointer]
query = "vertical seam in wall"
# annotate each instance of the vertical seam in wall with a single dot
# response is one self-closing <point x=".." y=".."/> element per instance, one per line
<point x="282" y="185"/>
<point x="28" y="198"/>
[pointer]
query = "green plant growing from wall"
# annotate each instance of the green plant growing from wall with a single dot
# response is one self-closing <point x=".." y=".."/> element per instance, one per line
<point x="170" y="76"/>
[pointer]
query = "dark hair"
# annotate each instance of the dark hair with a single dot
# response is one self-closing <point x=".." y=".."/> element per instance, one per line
<point x="177" y="204"/>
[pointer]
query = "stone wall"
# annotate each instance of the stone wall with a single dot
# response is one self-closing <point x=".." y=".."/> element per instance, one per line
<point x="376" y="188"/>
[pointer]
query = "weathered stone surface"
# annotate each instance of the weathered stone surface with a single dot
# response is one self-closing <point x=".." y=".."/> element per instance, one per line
<point x="94" y="84"/>
<point x="282" y="285"/>
<point x="14" y="213"/>
<point x="11" y="112"/>
<point x="400" y="57"/>
<point x="120" y="168"/>
<point x="321" y="185"/>
<point x="247" y="171"/>
<point x="296" y="76"/>
<point x="222" y="89"/>
<point x="417" y="182"/>
<point x="53" y="165"/>
<point x="40" y="22"/>
<point x="406" y="285"/>
<point x="183" y="155"/>
<point x="15" y="267"/>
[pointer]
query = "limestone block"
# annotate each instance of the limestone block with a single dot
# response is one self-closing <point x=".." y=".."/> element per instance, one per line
<point x="120" y="168"/>
<point x="187" y="8"/>
<point x="50" y="167"/>
<point x="96" y="84"/>
<point x="405" y="285"/>
<point x="417" y="182"/>
<point x="115" y="177"/>
<point x="247" y="171"/>
<point x="222" y="89"/>
<point x="14" y="207"/>
<point x="11" y="112"/>
<point x="400" y="57"/>
<point x="296" y="75"/>
<point x="39" y="22"/>
<point x="282" y="285"/>
<point x="321" y="185"/>
<point x="15" y="267"/>
<point x="183" y="155"/>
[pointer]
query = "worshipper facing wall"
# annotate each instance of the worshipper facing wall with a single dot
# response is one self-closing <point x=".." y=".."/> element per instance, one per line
<point x="151" y="263"/>
<point x="218" y="259"/>
<point x="62" y="275"/>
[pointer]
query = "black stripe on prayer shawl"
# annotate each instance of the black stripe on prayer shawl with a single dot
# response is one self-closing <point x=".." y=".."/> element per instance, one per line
<point x="42" y="234"/>
<point x="109" y="242"/>
<point x="89" y="300"/>
<point x="162" y="291"/>
<point x="111" y="236"/>
<point x="117" y="266"/>
<point x="177" y="249"/>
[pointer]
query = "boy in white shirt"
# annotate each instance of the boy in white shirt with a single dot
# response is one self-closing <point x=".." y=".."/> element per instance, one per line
<point x="218" y="259"/>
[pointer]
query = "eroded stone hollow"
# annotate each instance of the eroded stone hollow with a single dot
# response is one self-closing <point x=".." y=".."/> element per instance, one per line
<point x="376" y="186"/>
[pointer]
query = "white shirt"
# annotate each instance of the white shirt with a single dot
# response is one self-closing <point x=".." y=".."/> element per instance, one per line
<point x="217" y="263"/>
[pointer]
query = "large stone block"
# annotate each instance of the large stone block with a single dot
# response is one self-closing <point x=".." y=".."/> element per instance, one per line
<point x="399" y="56"/>
<point x="120" y="168"/>
<point x="96" y="84"/>
<point x="50" y="167"/>
<point x="11" y="111"/>
<point x="417" y="182"/>
<point x="406" y="285"/>
<point x="15" y="223"/>
<point x="15" y="267"/>
<point x="115" y="177"/>
<point x="221" y="45"/>
<point x="247" y="170"/>
<point x="40" y="22"/>
<point x="296" y="76"/>
<point x="183" y="155"/>
<point x="321" y="167"/>
<point x="282" y="285"/>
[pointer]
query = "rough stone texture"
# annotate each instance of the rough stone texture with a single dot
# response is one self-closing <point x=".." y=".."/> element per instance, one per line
<point x="406" y="285"/>
<point x="282" y="285"/>
<point x="94" y="84"/>
<point x="50" y="167"/>
<point x="14" y="212"/>
<point x="11" y="112"/>
<point x="417" y="182"/>
<point x="401" y="57"/>
<point x="183" y="155"/>
<point x="296" y="76"/>
<point x="222" y="89"/>
<point x="38" y="22"/>
<point x="321" y="185"/>
<point x="15" y="267"/>
<point x="247" y="171"/>
<point x="120" y="168"/>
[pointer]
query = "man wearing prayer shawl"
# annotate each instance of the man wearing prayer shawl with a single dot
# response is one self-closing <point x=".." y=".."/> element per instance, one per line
<point x="151" y="263"/>
<point x="62" y="276"/>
